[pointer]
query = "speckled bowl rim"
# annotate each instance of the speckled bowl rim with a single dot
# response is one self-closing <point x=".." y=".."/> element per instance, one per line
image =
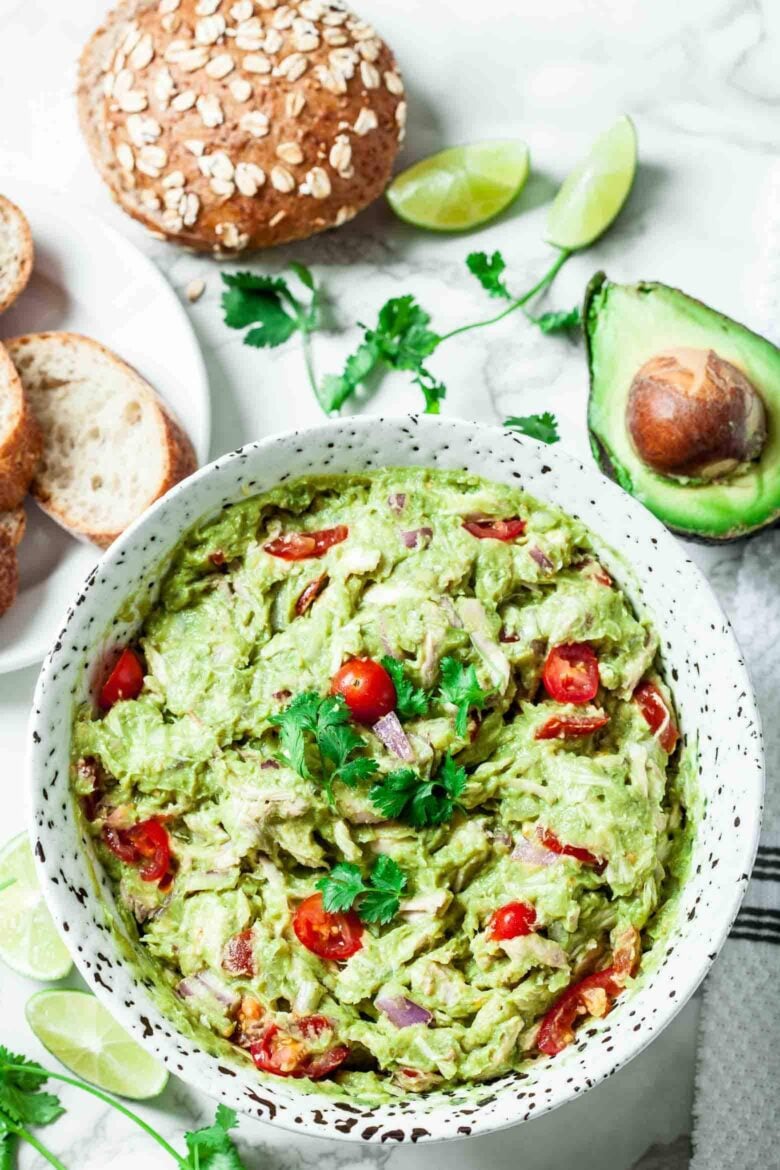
<point x="411" y="1119"/>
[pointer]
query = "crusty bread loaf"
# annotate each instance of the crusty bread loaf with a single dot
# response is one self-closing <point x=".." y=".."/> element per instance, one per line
<point x="13" y="525"/>
<point x="16" y="252"/>
<point x="9" y="573"/>
<point x="236" y="124"/>
<point x="110" y="447"/>
<point x="20" y="437"/>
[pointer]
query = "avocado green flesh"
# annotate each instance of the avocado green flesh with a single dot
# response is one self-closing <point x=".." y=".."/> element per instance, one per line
<point x="224" y="650"/>
<point x="625" y="326"/>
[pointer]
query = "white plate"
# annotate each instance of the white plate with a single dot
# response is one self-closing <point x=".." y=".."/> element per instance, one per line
<point x="89" y="279"/>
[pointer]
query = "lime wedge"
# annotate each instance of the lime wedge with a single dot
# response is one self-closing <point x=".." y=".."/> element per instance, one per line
<point x="594" y="192"/>
<point x="462" y="187"/>
<point x="29" y="941"/>
<point x="83" y="1035"/>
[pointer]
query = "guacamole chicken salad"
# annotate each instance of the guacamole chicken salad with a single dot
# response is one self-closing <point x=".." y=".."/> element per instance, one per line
<point x="388" y="785"/>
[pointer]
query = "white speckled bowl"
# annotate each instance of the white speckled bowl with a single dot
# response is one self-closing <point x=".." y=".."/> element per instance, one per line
<point x="701" y="659"/>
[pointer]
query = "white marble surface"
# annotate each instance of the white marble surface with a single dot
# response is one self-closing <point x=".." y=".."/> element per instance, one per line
<point x="702" y="79"/>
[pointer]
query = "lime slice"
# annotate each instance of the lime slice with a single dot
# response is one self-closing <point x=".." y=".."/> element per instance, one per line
<point x="594" y="192"/>
<point x="83" y="1035"/>
<point x="462" y="187"/>
<point x="29" y="941"/>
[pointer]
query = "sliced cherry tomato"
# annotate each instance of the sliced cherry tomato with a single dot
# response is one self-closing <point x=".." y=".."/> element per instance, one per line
<point x="238" y="956"/>
<point x="659" y="718"/>
<point x="505" y="530"/>
<point x="120" y="844"/>
<point x="330" y="936"/>
<point x="285" y="1051"/>
<point x="152" y="844"/>
<point x="626" y="955"/>
<point x="366" y="687"/>
<point x="551" y="842"/>
<point x="511" y="921"/>
<point x="571" y="673"/>
<point x="300" y="546"/>
<point x="592" y="996"/>
<point x="125" y="681"/>
<point x="567" y="726"/>
<point x="310" y="594"/>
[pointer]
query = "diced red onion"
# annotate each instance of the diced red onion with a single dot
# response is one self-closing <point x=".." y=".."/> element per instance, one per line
<point x="397" y="502"/>
<point x="541" y="558"/>
<point x="269" y="764"/>
<point x="205" y="983"/>
<point x="533" y="853"/>
<point x="393" y="736"/>
<point x="500" y="836"/>
<point x="282" y="695"/>
<point x="402" y="1012"/>
<point x="418" y="537"/>
<point x="504" y="635"/>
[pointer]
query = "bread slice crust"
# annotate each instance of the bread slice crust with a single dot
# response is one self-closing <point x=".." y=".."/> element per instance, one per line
<point x="21" y="441"/>
<point x="13" y="223"/>
<point x="9" y="573"/>
<point x="36" y="357"/>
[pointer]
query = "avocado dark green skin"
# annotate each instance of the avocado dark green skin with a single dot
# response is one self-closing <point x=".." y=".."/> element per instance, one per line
<point x="601" y="453"/>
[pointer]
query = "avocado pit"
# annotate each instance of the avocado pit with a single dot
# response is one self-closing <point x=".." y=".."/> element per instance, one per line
<point x="693" y="415"/>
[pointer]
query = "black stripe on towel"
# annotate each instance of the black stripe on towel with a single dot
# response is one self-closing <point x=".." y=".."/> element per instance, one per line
<point x="768" y="851"/>
<point x="754" y="936"/>
<point x="764" y="873"/>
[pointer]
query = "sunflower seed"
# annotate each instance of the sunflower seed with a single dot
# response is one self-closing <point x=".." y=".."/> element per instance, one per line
<point x="231" y="237"/>
<point x="172" y="197"/>
<point x="219" y="66"/>
<point x="149" y="199"/>
<point x="365" y="121"/>
<point x="254" y="122"/>
<point x="289" y="152"/>
<point x="400" y="114"/>
<point x="282" y="180"/>
<point x="333" y="82"/>
<point x="311" y="9"/>
<point x="335" y="37"/>
<point x="275" y="219"/>
<point x="189" y="59"/>
<point x="172" y="220"/>
<point x="343" y="214"/>
<point x="249" y="177"/>
<point x="343" y="61"/>
<point x="283" y="17"/>
<point x="133" y="101"/>
<point x="221" y="165"/>
<point x="305" y="37"/>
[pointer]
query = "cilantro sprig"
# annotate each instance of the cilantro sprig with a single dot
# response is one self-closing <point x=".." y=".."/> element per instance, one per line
<point x="406" y="795"/>
<point x="460" y="686"/>
<point x="378" y="898"/>
<point x="489" y="272"/>
<point x="410" y="700"/>
<point x="324" y="724"/>
<point x="543" y="427"/>
<point x="23" y="1103"/>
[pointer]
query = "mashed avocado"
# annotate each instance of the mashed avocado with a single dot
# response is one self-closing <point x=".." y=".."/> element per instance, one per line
<point x="492" y="848"/>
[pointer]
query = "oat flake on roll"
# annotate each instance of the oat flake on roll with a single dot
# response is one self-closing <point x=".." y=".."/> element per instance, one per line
<point x="228" y="125"/>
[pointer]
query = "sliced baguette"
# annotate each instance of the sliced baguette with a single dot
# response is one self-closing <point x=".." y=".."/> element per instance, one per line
<point x="13" y="525"/>
<point x="9" y="573"/>
<point x="16" y="252"/>
<point x="110" y="447"/>
<point x="20" y="437"/>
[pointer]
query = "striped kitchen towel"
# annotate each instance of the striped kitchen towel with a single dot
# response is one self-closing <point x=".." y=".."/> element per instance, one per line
<point x="737" y="1107"/>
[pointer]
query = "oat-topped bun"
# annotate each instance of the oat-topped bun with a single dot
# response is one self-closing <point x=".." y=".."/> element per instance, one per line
<point x="235" y="124"/>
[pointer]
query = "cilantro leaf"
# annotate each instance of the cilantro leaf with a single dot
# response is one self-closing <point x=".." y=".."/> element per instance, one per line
<point x="341" y="887"/>
<point x="351" y="773"/>
<point x="433" y="390"/>
<point x="21" y="1096"/>
<point x="404" y="793"/>
<point x="252" y="299"/>
<point x="299" y="716"/>
<point x="212" y="1148"/>
<point x="543" y="427"/>
<point x="410" y="700"/>
<point x="402" y="334"/>
<point x="337" y="388"/>
<point x="489" y="272"/>
<point x="378" y="899"/>
<point x="460" y="686"/>
<point x="567" y="320"/>
<point x="381" y="901"/>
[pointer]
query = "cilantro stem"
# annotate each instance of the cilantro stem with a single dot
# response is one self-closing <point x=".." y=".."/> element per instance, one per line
<point x="139" y="1121"/>
<point x="538" y="288"/>
<point x="32" y="1140"/>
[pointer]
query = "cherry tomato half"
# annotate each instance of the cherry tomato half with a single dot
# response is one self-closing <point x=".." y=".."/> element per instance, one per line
<point x="571" y="673"/>
<point x="120" y="844"/>
<point x="505" y="530"/>
<point x="153" y="847"/>
<point x="285" y="1051"/>
<point x="659" y="718"/>
<point x="551" y="842"/>
<point x="366" y="687"/>
<point x="568" y="726"/>
<point x="301" y="546"/>
<point x="592" y="996"/>
<point x="238" y="955"/>
<point x="511" y="921"/>
<point x="330" y="936"/>
<point x="125" y="681"/>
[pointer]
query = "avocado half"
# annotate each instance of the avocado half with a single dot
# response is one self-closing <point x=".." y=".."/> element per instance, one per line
<point x="627" y="324"/>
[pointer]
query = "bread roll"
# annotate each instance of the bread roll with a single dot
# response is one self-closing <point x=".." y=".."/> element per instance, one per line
<point x="228" y="125"/>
